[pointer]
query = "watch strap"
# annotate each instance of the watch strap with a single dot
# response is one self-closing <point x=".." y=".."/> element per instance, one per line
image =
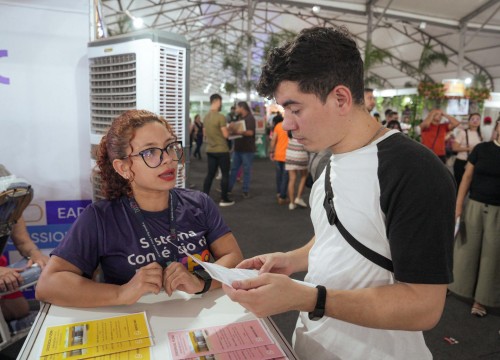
<point x="319" y="308"/>
<point x="203" y="275"/>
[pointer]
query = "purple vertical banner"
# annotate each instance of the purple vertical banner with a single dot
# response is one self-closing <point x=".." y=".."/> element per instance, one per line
<point x="4" y="80"/>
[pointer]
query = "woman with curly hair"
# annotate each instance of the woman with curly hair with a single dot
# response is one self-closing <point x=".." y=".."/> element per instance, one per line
<point x="140" y="234"/>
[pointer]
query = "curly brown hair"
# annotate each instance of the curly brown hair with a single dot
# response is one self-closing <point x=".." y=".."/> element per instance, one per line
<point x="114" y="145"/>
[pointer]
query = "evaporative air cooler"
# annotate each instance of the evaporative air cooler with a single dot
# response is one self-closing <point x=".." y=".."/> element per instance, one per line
<point x="142" y="70"/>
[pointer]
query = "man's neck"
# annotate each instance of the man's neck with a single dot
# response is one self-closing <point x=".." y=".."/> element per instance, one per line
<point x="364" y="129"/>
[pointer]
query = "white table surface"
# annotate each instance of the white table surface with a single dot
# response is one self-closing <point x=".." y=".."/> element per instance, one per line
<point x="179" y="312"/>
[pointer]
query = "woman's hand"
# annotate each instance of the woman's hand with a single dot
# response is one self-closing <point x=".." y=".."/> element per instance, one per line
<point x="277" y="262"/>
<point x="177" y="277"/>
<point x="146" y="280"/>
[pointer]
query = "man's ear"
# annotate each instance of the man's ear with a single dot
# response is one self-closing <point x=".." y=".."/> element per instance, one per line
<point x="342" y="97"/>
<point x="122" y="167"/>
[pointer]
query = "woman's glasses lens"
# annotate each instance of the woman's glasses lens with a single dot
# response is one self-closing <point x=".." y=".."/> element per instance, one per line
<point x="153" y="157"/>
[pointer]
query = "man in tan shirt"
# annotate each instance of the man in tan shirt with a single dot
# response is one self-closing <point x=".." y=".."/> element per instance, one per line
<point x="216" y="134"/>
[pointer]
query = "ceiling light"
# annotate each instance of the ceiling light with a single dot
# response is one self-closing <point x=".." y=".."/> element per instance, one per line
<point x="138" y="23"/>
<point x="468" y="81"/>
<point x="316" y="9"/>
<point x="422" y="25"/>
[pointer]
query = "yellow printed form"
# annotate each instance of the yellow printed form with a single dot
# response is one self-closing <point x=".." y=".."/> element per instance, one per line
<point x="137" y="354"/>
<point x="121" y="348"/>
<point x="120" y="332"/>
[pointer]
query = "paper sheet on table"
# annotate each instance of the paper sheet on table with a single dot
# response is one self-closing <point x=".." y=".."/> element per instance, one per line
<point x="194" y="343"/>
<point x="116" y="351"/>
<point x="116" y="330"/>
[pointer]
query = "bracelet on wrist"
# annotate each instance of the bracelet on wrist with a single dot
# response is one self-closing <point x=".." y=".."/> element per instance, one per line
<point x="319" y="308"/>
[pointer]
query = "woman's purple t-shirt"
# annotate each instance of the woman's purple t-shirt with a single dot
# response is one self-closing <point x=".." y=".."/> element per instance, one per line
<point x="108" y="233"/>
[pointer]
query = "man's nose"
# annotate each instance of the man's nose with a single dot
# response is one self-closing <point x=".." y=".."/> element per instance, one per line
<point x="288" y="124"/>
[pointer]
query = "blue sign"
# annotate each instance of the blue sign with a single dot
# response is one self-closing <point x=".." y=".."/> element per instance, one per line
<point x="44" y="236"/>
<point x="64" y="212"/>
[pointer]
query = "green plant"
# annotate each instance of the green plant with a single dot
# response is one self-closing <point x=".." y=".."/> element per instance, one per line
<point x="276" y="39"/>
<point x="373" y="56"/>
<point x="416" y="107"/>
<point x="431" y="90"/>
<point x="477" y="94"/>
<point x="479" y="81"/>
<point x="429" y="57"/>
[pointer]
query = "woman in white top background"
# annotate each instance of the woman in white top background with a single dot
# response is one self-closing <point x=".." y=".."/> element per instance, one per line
<point x="464" y="143"/>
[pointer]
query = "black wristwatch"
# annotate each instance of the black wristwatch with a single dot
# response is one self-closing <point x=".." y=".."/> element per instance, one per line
<point x="203" y="275"/>
<point x="319" y="309"/>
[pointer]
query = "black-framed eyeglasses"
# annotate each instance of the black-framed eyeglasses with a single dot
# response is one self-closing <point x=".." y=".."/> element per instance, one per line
<point x="153" y="157"/>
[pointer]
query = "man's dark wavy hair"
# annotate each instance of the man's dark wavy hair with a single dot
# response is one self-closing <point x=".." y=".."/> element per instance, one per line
<point x="318" y="59"/>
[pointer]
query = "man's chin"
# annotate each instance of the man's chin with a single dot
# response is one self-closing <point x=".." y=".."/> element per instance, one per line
<point x="312" y="148"/>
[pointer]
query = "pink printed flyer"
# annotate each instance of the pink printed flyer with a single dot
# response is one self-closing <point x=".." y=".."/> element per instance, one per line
<point x="242" y="340"/>
<point x="266" y="352"/>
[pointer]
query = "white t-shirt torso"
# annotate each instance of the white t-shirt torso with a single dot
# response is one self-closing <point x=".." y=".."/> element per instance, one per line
<point x="360" y="197"/>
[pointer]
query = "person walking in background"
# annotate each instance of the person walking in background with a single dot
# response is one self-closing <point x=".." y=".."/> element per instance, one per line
<point x="198" y="136"/>
<point x="476" y="265"/>
<point x="244" y="148"/>
<point x="191" y="136"/>
<point x="296" y="163"/>
<point x="216" y="132"/>
<point x="278" y="146"/>
<point x="463" y="144"/>
<point x="433" y="132"/>
<point x="231" y="115"/>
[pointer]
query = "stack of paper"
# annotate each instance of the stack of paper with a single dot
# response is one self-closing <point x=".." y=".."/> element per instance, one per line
<point x="249" y="340"/>
<point x="116" y="338"/>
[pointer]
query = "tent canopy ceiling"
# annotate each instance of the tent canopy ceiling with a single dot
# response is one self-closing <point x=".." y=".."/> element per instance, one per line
<point x="217" y="29"/>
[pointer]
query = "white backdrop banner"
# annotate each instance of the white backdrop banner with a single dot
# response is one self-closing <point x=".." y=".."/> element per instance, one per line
<point x="44" y="109"/>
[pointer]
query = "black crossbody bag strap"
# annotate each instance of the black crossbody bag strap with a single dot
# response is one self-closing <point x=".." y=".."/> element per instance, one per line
<point x="333" y="219"/>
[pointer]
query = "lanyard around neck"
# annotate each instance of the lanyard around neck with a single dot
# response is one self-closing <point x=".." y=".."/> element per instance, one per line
<point x="173" y="233"/>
